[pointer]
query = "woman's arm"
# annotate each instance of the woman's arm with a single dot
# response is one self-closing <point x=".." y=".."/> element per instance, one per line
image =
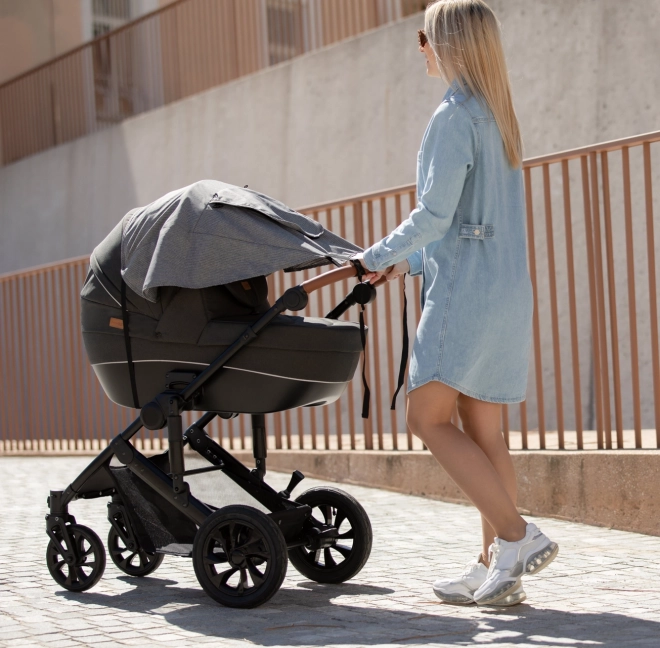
<point x="448" y="153"/>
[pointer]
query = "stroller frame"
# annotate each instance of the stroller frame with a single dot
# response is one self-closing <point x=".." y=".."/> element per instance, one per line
<point x="293" y="518"/>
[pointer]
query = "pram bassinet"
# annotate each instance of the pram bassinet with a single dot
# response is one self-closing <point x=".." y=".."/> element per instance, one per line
<point x="296" y="361"/>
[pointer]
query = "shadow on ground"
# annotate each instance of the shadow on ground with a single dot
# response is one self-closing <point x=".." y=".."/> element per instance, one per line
<point x="313" y="614"/>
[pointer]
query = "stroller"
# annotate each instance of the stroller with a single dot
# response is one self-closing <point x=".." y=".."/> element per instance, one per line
<point x="175" y="317"/>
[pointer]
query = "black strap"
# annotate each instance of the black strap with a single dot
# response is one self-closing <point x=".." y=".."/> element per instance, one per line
<point x="127" y="342"/>
<point x="367" y="393"/>
<point x="404" y="346"/>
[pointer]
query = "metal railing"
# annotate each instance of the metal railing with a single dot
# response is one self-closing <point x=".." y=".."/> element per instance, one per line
<point x="594" y="380"/>
<point x="184" y="48"/>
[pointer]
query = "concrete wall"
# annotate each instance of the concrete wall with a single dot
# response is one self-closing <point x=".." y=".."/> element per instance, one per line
<point x="616" y="489"/>
<point x="348" y="119"/>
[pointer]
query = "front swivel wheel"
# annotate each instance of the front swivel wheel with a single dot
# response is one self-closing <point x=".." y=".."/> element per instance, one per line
<point x="85" y="568"/>
<point x="239" y="556"/>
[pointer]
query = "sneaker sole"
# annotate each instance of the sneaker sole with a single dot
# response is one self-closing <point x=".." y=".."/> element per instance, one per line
<point x="511" y="599"/>
<point x="533" y="565"/>
<point x="542" y="559"/>
<point x="454" y="599"/>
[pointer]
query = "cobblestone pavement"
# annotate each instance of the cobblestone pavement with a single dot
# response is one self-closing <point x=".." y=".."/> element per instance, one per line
<point x="602" y="590"/>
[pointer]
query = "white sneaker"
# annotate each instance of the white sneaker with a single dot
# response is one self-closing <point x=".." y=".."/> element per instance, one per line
<point x="460" y="591"/>
<point x="509" y="561"/>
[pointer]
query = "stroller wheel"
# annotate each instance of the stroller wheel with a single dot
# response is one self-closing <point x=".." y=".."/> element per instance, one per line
<point x="134" y="562"/>
<point x="349" y="552"/>
<point x="239" y="556"/>
<point x="87" y="569"/>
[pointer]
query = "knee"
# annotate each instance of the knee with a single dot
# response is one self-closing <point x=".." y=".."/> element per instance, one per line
<point x="423" y="427"/>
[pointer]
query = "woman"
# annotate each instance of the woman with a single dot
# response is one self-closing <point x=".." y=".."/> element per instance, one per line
<point x="466" y="237"/>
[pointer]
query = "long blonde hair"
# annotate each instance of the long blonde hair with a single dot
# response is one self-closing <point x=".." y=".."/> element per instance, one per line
<point x="465" y="38"/>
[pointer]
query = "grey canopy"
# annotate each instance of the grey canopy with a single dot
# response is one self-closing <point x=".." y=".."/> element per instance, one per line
<point x="212" y="233"/>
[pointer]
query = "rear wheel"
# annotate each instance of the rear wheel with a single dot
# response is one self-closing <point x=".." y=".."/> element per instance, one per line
<point x="239" y="556"/>
<point x="86" y="569"/>
<point x="349" y="551"/>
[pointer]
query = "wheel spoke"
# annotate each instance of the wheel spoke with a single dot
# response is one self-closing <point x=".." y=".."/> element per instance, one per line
<point x="215" y="558"/>
<point x="339" y="518"/>
<point x="317" y="556"/>
<point x="243" y="584"/>
<point x="344" y="551"/>
<point x="348" y="535"/>
<point x="221" y="579"/>
<point x="257" y="576"/>
<point x="329" y="560"/>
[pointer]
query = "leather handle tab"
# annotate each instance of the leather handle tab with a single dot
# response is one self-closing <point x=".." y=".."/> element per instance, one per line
<point x="332" y="276"/>
<point x="327" y="278"/>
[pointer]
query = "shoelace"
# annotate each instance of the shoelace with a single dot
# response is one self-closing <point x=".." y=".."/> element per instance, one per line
<point x="493" y="554"/>
<point x="469" y="569"/>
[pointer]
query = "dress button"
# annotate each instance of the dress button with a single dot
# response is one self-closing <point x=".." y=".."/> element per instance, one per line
<point x="476" y="232"/>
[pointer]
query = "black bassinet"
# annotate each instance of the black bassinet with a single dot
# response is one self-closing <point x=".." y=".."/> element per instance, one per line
<point x="295" y="361"/>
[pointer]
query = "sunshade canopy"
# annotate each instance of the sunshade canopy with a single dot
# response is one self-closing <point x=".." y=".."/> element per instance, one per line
<point x="212" y="233"/>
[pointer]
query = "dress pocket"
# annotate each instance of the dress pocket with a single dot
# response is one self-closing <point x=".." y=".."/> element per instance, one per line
<point x="466" y="230"/>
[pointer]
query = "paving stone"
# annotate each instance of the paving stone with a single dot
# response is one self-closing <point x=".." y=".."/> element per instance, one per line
<point x="601" y="590"/>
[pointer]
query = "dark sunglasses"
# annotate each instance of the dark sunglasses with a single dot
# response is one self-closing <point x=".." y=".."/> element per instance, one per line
<point x="421" y="37"/>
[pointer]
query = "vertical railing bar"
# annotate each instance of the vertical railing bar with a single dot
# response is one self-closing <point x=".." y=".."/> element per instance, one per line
<point x="614" y="327"/>
<point x="42" y="354"/>
<point x="552" y="280"/>
<point x="593" y="297"/>
<point x="358" y="219"/>
<point x="653" y="294"/>
<point x="31" y="352"/>
<point x="632" y="301"/>
<point x="4" y="388"/>
<point x="535" y="319"/>
<point x="572" y="304"/>
<point x="523" y="424"/>
<point x="388" y="331"/>
<point x="375" y="345"/>
<point x="14" y="373"/>
<point x="607" y="423"/>
<point x="25" y="362"/>
<point x="73" y="319"/>
<point x="334" y="301"/>
<point x="85" y="369"/>
<point x="9" y="383"/>
<point x="344" y="284"/>
<point x="505" y="423"/>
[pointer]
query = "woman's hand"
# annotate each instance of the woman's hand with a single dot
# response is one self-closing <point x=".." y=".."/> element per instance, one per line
<point x="391" y="273"/>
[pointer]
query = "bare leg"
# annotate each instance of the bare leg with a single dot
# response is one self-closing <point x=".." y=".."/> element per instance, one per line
<point x="481" y="422"/>
<point x="429" y="417"/>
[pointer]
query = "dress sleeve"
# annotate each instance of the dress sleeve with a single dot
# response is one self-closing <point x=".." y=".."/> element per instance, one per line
<point x="448" y="154"/>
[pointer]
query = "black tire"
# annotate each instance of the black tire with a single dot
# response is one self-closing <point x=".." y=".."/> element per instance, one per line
<point x="351" y="550"/>
<point x="239" y="556"/>
<point x="135" y="561"/>
<point x="88" y="568"/>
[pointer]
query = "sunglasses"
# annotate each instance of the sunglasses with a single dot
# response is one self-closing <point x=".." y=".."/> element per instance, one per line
<point x="421" y="37"/>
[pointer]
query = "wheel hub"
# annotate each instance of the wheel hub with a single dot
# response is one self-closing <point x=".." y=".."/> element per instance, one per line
<point x="237" y="558"/>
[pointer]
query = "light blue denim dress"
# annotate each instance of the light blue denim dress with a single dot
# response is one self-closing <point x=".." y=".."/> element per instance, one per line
<point x="466" y="237"/>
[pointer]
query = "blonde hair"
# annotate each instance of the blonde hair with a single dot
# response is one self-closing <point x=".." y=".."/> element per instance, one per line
<point x="465" y="38"/>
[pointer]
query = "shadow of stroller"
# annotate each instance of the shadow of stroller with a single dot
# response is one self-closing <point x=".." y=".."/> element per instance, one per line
<point x="314" y="614"/>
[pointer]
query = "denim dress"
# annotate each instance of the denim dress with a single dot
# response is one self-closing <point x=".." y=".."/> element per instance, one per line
<point x="466" y="237"/>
